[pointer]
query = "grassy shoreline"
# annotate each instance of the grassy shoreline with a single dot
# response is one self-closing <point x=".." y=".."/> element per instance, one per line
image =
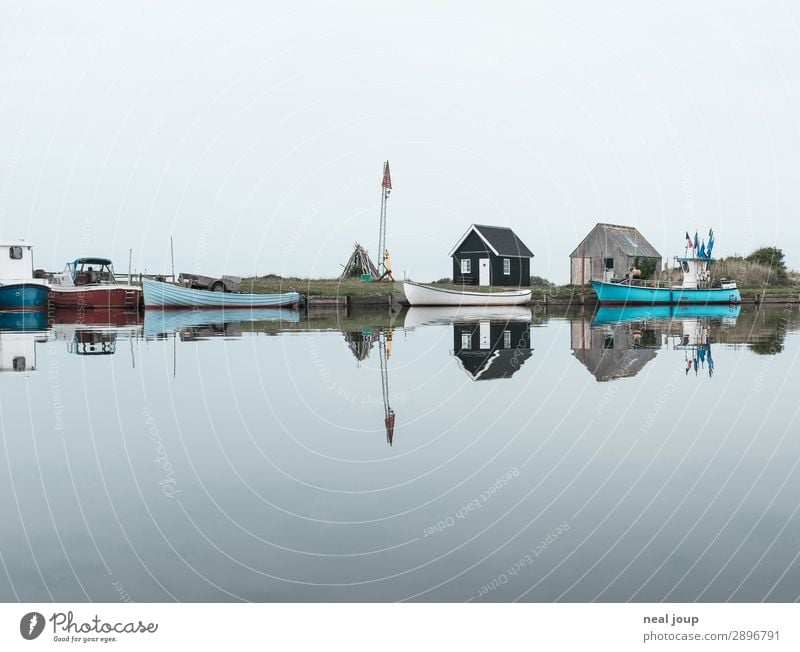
<point x="355" y="287"/>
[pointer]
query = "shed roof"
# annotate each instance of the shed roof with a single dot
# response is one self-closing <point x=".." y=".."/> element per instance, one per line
<point x="500" y="239"/>
<point x="624" y="238"/>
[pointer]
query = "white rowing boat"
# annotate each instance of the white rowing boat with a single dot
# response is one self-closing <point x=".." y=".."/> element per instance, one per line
<point x="427" y="295"/>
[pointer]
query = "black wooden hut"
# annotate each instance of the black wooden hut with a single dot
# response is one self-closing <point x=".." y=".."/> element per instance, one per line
<point x="491" y="255"/>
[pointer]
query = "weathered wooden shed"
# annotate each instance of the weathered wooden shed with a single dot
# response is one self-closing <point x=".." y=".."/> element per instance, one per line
<point x="491" y="255"/>
<point x="609" y="251"/>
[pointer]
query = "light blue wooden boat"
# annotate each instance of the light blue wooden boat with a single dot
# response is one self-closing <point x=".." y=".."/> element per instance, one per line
<point x="23" y="296"/>
<point x="166" y="296"/>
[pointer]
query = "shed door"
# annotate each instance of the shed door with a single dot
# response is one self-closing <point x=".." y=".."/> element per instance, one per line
<point x="483" y="271"/>
<point x="485" y="330"/>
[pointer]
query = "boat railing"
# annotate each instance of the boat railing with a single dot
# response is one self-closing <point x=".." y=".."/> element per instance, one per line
<point x="646" y="283"/>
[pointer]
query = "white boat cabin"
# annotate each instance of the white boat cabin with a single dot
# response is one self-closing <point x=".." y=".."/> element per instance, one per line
<point x="16" y="261"/>
<point x="86" y="271"/>
<point x="697" y="274"/>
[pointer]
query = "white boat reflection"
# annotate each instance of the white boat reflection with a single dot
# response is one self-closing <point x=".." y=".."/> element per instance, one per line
<point x="20" y="332"/>
<point x="420" y="315"/>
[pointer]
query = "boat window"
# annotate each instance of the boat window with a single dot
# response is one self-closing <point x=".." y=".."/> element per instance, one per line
<point x="685" y="266"/>
<point x="19" y="363"/>
<point x="466" y="340"/>
<point x="608" y="263"/>
<point x="15" y="253"/>
<point x="506" y="339"/>
<point x="466" y="266"/>
<point x="507" y="266"/>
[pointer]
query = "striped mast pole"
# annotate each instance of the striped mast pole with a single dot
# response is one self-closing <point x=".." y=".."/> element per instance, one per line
<point x="386" y="190"/>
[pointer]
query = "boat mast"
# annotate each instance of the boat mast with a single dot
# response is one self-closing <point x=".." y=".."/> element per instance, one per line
<point x="386" y="190"/>
<point x="385" y="350"/>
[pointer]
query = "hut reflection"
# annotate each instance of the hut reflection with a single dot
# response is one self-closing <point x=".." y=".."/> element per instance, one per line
<point x="491" y="349"/>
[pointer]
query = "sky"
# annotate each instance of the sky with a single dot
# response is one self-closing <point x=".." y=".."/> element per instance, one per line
<point x="254" y="133"/>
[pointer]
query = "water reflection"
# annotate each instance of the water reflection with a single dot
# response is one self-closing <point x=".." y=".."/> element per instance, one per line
<point x="193" y="325"/>
<point x="273" y="441"/>
<point x="491" y="349"/>
<point x="620" y="342"/>
<point x="614" y="350"/>
<point x="20" y="334"/>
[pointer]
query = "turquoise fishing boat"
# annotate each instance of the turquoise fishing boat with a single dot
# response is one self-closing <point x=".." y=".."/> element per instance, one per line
<point x="23" y="296"/>
<point x="18" y="289"/>
<point x="698" y="287"/>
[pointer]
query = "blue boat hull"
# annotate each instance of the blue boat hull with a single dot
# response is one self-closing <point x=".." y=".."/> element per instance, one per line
<point x="621" y="294"/>
<point x="23" y="296"/>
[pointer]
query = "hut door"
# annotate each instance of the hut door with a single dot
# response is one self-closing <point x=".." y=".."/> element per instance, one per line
<point x="484" y="331"/>
<point x="483" y="271"/>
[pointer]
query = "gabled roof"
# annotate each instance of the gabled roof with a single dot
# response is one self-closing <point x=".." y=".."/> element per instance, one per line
<point x="501" y="241"/>
<point x="624" y="238"/>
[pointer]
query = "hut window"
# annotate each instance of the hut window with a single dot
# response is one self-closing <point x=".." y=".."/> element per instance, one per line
<point x="506" y="339"/>
<point x="507" y="266"/>
<point x="608" y="263"/>
<point x="15" y="253"/>
<point x="466" y="340"/>
<point x="466" y="266"/>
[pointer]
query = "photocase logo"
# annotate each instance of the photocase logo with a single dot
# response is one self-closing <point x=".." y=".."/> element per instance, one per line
<point x="31" y="625"/>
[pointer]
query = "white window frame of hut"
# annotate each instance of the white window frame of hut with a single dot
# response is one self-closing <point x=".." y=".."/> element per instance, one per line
<point x="466" y="268"/>
<point x="506" y="266"/>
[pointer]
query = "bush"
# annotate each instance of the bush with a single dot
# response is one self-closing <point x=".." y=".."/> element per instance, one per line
<point x="444" y="281"/>
<point x="746" y="273"/>
<point x="538" y="281"/>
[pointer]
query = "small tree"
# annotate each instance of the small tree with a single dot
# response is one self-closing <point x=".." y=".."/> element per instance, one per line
<point x="647" y="266"/>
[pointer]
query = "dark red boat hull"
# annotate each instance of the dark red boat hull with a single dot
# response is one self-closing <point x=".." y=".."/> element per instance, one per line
<point x="92" y="298"/>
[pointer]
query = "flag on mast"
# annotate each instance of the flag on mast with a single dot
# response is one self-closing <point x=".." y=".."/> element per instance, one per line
<point x="689" y="244"/>
<point x="387" y="177"/>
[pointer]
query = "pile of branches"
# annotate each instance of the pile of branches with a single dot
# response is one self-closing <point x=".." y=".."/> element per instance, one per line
<point x="359" y="263"/>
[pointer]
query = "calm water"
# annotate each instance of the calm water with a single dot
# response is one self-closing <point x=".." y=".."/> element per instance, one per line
<point x="533" y="457"/>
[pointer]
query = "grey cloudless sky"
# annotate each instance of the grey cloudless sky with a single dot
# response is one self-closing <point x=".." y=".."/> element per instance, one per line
<point x="254" y="132"/>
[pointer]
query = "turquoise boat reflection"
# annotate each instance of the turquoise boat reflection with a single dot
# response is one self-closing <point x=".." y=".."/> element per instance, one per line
<point x="620" y="341"/>
<point x="24" y="320"/>
<point x="621" y="314"/>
